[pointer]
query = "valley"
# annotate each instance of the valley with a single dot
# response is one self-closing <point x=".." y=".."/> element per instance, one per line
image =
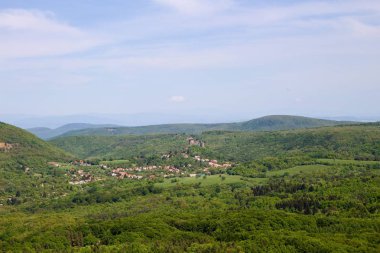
<point x="303" y="190"/>
<point x="189" y="126"/>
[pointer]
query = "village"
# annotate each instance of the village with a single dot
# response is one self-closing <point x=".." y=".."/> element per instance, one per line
<point x="83" y="172"/>
<point x="80" y="172"/>
<point x="168" y="171"/>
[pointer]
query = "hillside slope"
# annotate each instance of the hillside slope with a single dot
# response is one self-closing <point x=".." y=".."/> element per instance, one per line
<point x="20" y="148"/>
<point x="267" y="123"/>
<point x="121" y="146"/>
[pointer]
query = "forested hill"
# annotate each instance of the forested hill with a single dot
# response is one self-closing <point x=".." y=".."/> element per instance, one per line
<point x="357" y="142"/>
<point x="267" y="123"/>
<point x="347" y="142"/>
<point x="285" y="122"/>
<point x="19" y="148"/>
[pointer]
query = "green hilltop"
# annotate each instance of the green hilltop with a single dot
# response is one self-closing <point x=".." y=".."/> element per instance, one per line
<point x="19" y="148"/>
<point x="284" y="122"/>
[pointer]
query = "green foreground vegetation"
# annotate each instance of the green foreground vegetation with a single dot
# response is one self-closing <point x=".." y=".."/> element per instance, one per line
<point x="315" y="190"/>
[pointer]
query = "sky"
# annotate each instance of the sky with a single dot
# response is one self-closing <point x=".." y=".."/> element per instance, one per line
<point x="231" y="59"/>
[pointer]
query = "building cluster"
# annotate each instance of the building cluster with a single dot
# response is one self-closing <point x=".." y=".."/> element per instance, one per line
<point x="213" y="163"/>
<point x="170" y="170"/>
<point x="80" y="177"/>
<point x="122" y="173"/>
<point x="80" y="163"/>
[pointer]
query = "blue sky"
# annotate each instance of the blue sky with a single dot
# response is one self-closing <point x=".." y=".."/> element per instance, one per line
<point x="233" y="58"/>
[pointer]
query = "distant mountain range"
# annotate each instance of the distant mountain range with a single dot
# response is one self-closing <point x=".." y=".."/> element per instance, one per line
<point x="136" y="119"/>
<point x="267" y="123"/>
<point x="47" y="133"/>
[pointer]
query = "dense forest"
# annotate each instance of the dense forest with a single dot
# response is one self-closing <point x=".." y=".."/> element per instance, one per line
<point x="309" y="190"/>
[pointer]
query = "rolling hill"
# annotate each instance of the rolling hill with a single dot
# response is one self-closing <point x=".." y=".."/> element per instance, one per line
<point x="20" y="148"/>
<point x="267" y="123"/>
<point x="277" y="193"/>
<point x="285" y="122"/>
<point x="351" y="142"/>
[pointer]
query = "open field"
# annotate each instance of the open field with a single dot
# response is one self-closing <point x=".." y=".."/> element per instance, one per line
<point x="299" y="169"/>
<point x="347" y="162"/>
<point x="211" y="180"/>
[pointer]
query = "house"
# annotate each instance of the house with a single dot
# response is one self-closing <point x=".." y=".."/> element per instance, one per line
<point x="171" y="169"/>
<point x="214" y="165"/>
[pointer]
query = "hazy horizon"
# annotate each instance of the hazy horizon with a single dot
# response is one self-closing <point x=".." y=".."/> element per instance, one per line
<point x="143" y="119"/>
<point x="194" y="60"/>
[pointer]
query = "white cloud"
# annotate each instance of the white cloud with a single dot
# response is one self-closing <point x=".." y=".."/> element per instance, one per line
<point x="324" y="46"/>
<point x="33" y="20"/>
<point x="178" y="99"/>
<point x="194" y="7"/>
<point x="264" y="36"/>
<point x="33" y="33"/>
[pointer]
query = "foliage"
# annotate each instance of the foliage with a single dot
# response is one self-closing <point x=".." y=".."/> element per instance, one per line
<point x="287" y="192"/>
